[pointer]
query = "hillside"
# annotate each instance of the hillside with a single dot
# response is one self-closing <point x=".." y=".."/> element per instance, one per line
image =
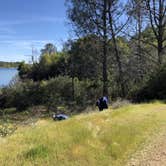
<point x="9" y="64"/>
<point x="111" y="137"/>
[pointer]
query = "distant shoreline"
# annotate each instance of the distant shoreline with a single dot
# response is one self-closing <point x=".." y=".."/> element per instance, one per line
<point x="9" y="64"/>
<point x="3" y="67"/>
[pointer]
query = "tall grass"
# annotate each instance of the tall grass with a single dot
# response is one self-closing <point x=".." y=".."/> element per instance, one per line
<point x="104" y="138"/>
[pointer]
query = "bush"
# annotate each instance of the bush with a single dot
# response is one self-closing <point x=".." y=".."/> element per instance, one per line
<point x="155" y="88"/>
<point x="51" y="93"/>
<point x="6" y="129"/>
<point x="57" y="91"/>
<point x="87" y="92"/>
<point x="21" y="95"/>
<point x="120" y="103"/>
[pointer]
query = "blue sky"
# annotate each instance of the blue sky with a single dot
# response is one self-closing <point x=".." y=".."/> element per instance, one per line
<point x="27" y="23"/>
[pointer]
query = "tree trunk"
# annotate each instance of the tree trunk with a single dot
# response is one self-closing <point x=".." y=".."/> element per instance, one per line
<point x="160" y="33"/>
<point x="73" y="89"/>
<point x="120" y="76"/>
<point x="117" y="56"/>
<point x="160" y="50"/>
<point x="157" y="20"/>
<point x="105" y="77"/>
<point x="139" y="20"/>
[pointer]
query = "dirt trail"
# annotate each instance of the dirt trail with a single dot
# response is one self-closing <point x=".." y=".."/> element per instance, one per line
<point x="152" y="155"/>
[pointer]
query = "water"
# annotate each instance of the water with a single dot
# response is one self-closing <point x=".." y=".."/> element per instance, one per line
<point x="6" y="75"/>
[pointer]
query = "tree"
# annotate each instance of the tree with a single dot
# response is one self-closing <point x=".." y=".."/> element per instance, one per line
<point x="83" y="61"/>
<point x="157" y="17"/>
<point x="23" y="70"/>
<point x="49" y="49"/>
<point x="136" y="9"/>
<point x="113" y="13"/>
<point x="89" y="17"/>
<point x="98" y="17"/>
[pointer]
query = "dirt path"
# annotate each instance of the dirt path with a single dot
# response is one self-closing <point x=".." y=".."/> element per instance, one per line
<point x="152" y="155"/>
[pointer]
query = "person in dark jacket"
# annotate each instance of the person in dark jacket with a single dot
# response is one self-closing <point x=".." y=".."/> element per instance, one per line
<point x="102" y="103"/>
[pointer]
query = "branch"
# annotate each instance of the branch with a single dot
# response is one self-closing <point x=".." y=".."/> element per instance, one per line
<point x="120" y="29"/>
<point x="154" y="14"/>
<point x="151" y="17"/>
<point x="151" y="44"/>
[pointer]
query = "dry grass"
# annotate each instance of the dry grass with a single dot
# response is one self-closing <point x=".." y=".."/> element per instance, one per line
<point x="100" y="138"/>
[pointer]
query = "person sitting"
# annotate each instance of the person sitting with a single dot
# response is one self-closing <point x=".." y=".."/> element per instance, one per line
<point x="60" y="117"/>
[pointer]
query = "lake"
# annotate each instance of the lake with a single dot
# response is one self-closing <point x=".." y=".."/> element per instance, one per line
<point x="6" y="75"/>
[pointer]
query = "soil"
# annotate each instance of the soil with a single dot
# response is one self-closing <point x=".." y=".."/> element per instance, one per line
<point x="154" y="154"/>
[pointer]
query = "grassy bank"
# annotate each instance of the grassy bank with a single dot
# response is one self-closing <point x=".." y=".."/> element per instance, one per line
<point x="100" y="138"/>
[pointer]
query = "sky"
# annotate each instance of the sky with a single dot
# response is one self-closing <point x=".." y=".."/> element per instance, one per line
<point x="27" y="24"/>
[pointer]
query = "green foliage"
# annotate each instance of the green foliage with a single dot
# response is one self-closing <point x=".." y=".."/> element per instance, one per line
<point x="155" y="88"/>
<point x="49" y="49"/>
<point x="87" y="92"/>
<point x="37" y="152"/>
<point x="84" y="58"/>
<point x="57" y="92"/>
<point x="52" y="93"/>
<point x="74" y="76"/>
<point x="24" y="70"/>
<point x="21" y="96"/>
<point x="81" y="61"/>
<point x="49" y="66"/>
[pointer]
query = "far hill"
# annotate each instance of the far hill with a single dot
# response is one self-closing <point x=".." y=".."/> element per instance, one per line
<point x="9" y="64"/>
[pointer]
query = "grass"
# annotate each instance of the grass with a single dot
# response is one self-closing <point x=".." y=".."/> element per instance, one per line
<point x="99" y="138"/>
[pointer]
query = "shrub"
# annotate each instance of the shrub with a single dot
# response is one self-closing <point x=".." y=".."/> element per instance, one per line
<point x="120" y="103"/>
<point x="155" y="88"/>
<point x="50" y="93"/>
<point x="21" y="95"/>
<point x="57" y="92"/>
<point x="6" y="129"/>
